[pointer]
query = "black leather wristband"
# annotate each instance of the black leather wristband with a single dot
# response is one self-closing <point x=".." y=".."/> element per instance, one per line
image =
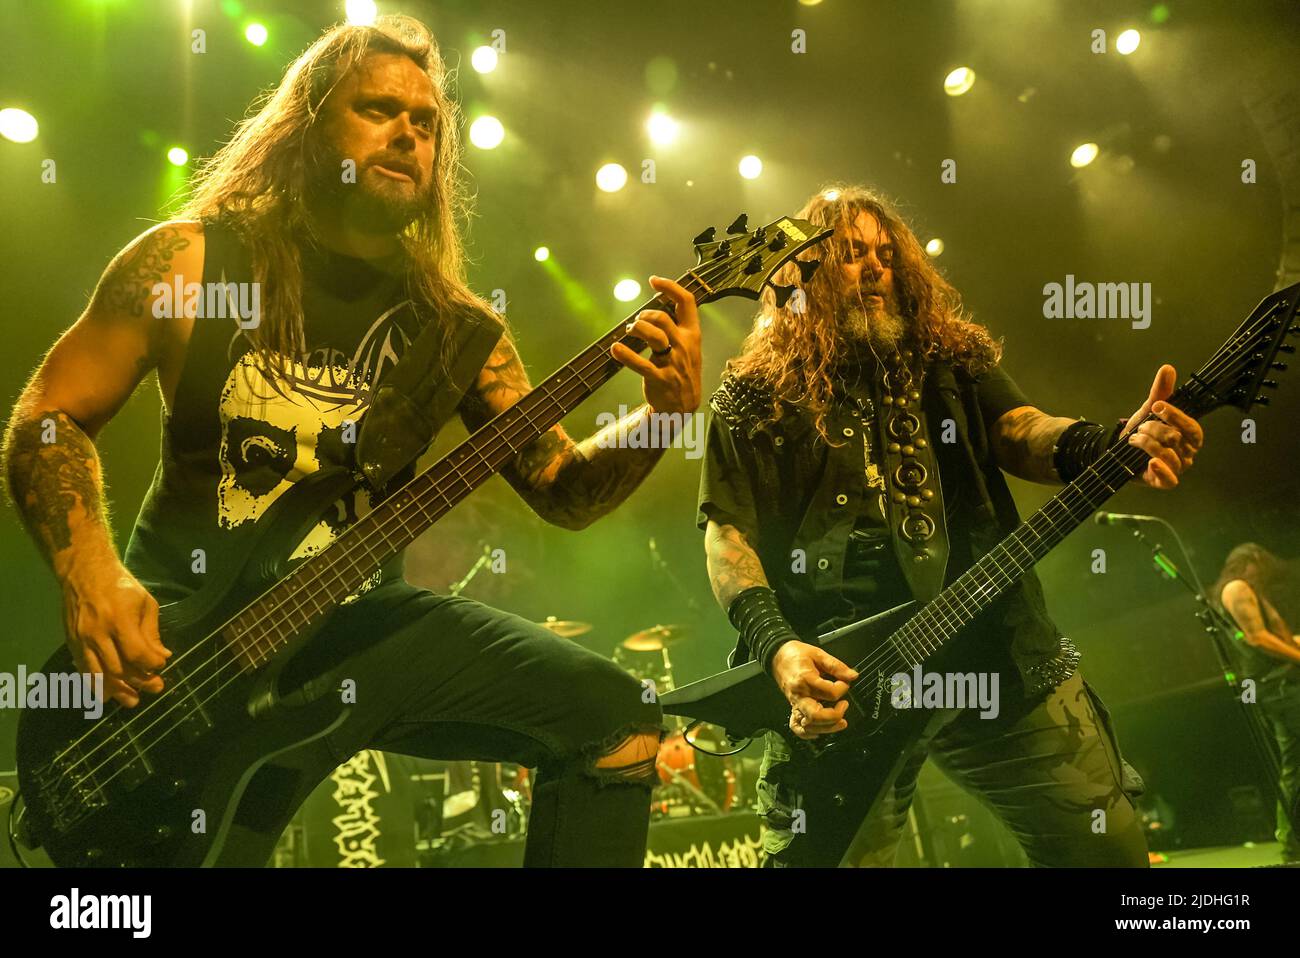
<point x="1079" y="446"/>
<point x="763" y="627"/>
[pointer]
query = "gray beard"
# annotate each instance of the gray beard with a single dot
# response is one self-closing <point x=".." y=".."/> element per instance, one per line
<point x="882" y="330"/>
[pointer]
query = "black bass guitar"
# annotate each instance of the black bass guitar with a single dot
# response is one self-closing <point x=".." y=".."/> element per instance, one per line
<point x="162" y="784"/>
<point x="745" y="700"/>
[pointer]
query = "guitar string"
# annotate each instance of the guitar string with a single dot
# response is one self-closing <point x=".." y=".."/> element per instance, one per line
<point x="703" y="274"/>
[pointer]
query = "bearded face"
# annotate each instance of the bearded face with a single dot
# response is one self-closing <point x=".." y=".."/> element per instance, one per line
<point x="371" y="153"/>
<point x="872" y="315"/>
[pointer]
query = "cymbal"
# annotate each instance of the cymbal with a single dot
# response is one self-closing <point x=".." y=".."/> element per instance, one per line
<point x="566" y="628"/>
<point x="656" y="638"/>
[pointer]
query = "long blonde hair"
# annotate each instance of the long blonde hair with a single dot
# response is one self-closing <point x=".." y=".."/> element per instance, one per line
<point x="792" y="351"/>
<point x="256" y="183"/>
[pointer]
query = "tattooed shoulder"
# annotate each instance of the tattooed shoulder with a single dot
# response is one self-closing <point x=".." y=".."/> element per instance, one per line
<point x="127" y="283"/>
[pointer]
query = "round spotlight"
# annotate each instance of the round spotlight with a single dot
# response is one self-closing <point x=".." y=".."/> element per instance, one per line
<point x="959" y="81"/>
<point x="1084" y="154"/>
<point x="1127" y="41"/>
<point x="662" y="128"/>
<point x="611" y="177"/>
<point x="177" y="156"/>
<point x="255" y="34"/>
<point x="626" y="290"/>
<point x="750" y="167"/>
<point x="487" y="133"/>
<point x="934" y="247"/>
<point x="361" y="13"/>
<point x="17" y="125"/>
<point x="542" y="254"/>
<point x="484" y="59"/>
<point x="830" y="196"/>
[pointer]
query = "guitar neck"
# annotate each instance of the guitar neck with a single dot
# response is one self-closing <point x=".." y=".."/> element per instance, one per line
<point x="318" y="585"/>
<point x="979" y="586"/>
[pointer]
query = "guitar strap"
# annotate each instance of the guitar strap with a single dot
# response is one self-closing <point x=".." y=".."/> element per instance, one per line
<point x="419" y="394"/>
<point x="914" y="504"/>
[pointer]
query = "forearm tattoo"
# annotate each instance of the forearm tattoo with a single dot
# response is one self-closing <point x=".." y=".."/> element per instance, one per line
<point x="734" y="566"/>
<point x="566" y="484"/>
<point x="1023" y="443"/>
<point x="54" y="479"/>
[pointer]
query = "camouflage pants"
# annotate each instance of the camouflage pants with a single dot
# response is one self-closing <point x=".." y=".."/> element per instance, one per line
<point x="1051" y="771"/>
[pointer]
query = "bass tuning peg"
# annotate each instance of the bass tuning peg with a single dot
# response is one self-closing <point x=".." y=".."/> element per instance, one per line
<point x="739" y="226"/>
<point x="807" y="267"/>
<point x="705" y="237"/>
<point x="755" y="265"/>
<point x="783" y="294"/>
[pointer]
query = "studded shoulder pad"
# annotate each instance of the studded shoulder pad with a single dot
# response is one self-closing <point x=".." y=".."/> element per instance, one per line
<point x="740" y="403"/>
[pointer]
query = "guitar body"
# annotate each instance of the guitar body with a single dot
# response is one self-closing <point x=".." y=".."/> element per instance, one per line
<point x="218" y="787"/>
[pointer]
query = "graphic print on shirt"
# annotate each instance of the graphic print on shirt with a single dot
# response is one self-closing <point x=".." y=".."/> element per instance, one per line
<point x="276" y="430"/>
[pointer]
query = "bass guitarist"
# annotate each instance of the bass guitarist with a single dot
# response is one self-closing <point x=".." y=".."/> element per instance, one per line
<point x="334" y="210"/>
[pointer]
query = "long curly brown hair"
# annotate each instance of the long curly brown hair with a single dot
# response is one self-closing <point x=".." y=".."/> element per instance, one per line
<point x="256" y="183"/>
<point x="1270" y="576"/>
<point x="793" y="351"/>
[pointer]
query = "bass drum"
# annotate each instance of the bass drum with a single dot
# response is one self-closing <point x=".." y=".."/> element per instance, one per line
<point x="692" y="782"/>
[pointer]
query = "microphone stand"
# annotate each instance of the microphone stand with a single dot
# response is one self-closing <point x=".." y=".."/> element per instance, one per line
<point x="1223" y="631"/>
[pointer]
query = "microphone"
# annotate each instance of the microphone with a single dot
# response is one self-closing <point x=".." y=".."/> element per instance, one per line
<point x="1122" y="519"/>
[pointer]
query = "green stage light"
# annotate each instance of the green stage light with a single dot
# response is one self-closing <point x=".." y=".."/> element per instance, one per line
<point x="626" y="290"/>
<point x="255" y="33"/>
<point x="178" y="156"/>
<point x="486" y="133"/>
<point x="1084" y="154"/>
<point x="18" y="125"/>
<point x="361" y="13"/>
<point x="541" y="254"/>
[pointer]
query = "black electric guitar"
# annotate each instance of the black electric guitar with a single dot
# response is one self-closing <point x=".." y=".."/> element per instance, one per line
<point x="745" y="700"/>
<point x="165" y="783"/>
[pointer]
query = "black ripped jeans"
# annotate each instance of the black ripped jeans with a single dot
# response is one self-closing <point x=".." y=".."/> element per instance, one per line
<point x="445" y="677"/>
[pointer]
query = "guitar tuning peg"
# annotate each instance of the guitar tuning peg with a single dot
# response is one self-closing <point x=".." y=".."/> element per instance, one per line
<point x="783" y="294"/>
<point x="778" y="243"/>
<point x="739" y="226"/>
<point x="724" y="250"/>
<point x="807" y="267"/>
<point x="755" y="265"/>
<point x="705" y="237"/>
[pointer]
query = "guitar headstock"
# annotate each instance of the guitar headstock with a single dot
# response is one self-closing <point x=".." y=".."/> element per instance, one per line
<point x="743" y="262"/>
<point x="1240" y="371"/>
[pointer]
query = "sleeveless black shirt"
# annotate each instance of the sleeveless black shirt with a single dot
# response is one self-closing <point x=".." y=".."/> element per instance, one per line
<point x="237" y="438"/>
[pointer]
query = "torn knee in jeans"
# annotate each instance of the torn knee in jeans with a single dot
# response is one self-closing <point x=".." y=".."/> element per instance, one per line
<point x="627" y="757"/>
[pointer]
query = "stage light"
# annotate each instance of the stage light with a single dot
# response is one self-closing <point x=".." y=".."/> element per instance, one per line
<point x="627" y="290"/>
<point x="750" y="167"/>
<point x="541" y="254"/>
<point x="831" y="196"/>
<point x="484" y="59"/>
<point x="1084" y="154"/>
<point x="611" y="177"/>
<point x="934" y="247"/>
<point x="486" y="133"/>
<point x="809" y="3"/>
<point x="662" y="128"/>
<point x="959" y="81"/>
<point x="178" y="156"/>
<point x="255" y="34"/>
<point x="361" y="13"/>
<point x="1127" y="42"/>
<point x="17" y="125"/>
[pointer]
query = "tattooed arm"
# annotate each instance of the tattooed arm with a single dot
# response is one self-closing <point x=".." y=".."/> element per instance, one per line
<point x="734" y="566"/>
<point x="1024" y="438"/>
<point x="52" y="469"/>
<point x="573" y="484"/>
